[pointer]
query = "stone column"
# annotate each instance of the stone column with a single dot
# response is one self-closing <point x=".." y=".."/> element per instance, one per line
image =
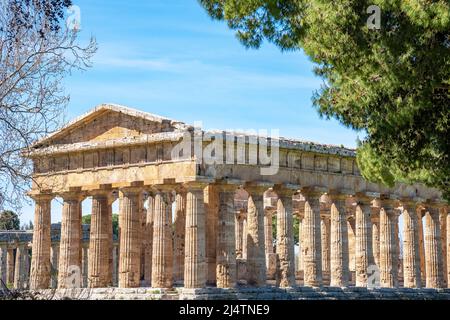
<point x="376" y="241"/>
<point x="388" y="247"/>
<point x="340" y="273"/>
<point x="149" y="240"/>
<point x="115" y="271"/>
<point x="285" y="238"/>
<point x="398" y="260"/>
<point x="26" y="271"/>
<point x="256" y="256"/>
<point x="17" y="265"/>
<point x="300" y="242"/>
<point x="226" y="240"/>
<point x="111" y="239"/>
<point x="70" y="243"/>
<point x="3" y="264"/>
<point x="10" y="267"/>
<point x="411" y="256"/>
<point x="100" y="240"/>
<point x="180" y="226"/>
<point x="239" y="226"/>
<point x="363" y="248"/>
<point x="268" y="234"/>
<point x="194" y="261"/>
<point x="244" y="237"/>
<point x="312" y="248"/>
<point x="325" y="228"/>
<point x="20" y="270"/>
<point x="351" y="229"/>
<point x="85" y="265"/>
<point x="433" y="250"/>
<point x="40" y="260"/>
<point x="211" y="198"/>
<point x="420" y="228"/>
<point x="54" y="256"/>
<point x="130" y="246"/>
<point x="162" y="255"/>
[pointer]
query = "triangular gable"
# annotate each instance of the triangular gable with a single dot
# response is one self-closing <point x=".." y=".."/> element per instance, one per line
<point x="109" y="122"/>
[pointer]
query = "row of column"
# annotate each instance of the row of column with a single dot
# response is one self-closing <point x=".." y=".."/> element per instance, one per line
<point x="204" y="247"/>
<point x="15" y="265"/>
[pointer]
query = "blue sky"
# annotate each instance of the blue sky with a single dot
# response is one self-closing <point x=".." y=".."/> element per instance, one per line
<point x="171" y="59"/>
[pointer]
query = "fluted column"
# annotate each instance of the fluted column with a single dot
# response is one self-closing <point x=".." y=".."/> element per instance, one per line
<point x="226" y="240"/>
<point x="162" y="255"/>
<point x="100" y="241"/>
<point x="388" y="247"/>
<point x="21" y="267"/>
<point x="70" y="243"/>
<point x="110" y="240"/>
<point x="3" y="264"/>
<point x="420" y="227"/>
<point x="211" y="199"/>
<point x="376" y="241"/>
<point x="54" y="258"/>
<point x="325" y="228"/>
<point x="300" y="242"/>
<point x="239" y="226"/>
<point x="85" y="265"/>
<point x="363" y="248"/>
<point x="312" y="249"/>
<point x="10" y="266"/>
<point x="433" y="250"/>
<point x="351" y="229"/>
<point x="115" y="271"/>
<point x="244" y="237"/>
<point x="256" y="257"/>
<point x="18" y="267"/>
<point x="411" y="255"/>
<point x="130" y="246"/>
<point x="268" y="234"/>
<point x="180" y="226"/>
<point x="340" y="273"/>
<point x="285" y="238"/>
<point x="148" y="234"/>
<point x="40" y="260"/>
<point x="194" y="262"/>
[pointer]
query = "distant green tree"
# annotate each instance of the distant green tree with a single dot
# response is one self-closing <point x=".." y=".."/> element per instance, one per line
<point x="9" y="220"/>
<point x="115" y="221"/>
<point x="391" y="81"/>
<point x="295" y="228"/>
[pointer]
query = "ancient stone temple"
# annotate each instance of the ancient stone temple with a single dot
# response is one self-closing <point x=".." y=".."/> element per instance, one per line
<point x="209" y="222"/>
<point x="15" y="256"/>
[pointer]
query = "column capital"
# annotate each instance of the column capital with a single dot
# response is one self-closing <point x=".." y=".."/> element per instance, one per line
<point x="41" y="196"/>
<point x="313" y="191"/>
<point x="131" y="190"/>
<point x="196" y="185"/>
<point x="103" y="193"/>
<point x="257" y="187"/>
<point x="70" y="196"/>
<point x="286" y="189"/>
<point x="228" y="185"/>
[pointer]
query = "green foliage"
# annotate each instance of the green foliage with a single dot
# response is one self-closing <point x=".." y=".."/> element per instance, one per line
<point x="394" y="82"/>
<point x="295" y="230"/>
<point x="9" y="220"/>
<point x="115" y="221"/>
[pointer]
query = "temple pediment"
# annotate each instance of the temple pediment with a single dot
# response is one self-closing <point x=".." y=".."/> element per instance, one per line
<point x="109" y="122"/>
